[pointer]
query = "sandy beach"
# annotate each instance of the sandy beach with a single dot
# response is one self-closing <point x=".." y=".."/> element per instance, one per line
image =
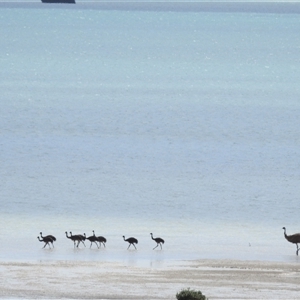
<point x="217" y="279"/>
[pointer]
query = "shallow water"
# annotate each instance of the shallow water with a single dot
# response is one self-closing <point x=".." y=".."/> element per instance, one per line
<point x="183" y="124"/>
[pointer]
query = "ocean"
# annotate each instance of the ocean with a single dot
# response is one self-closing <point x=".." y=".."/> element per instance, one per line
<point x="130" y="120"/>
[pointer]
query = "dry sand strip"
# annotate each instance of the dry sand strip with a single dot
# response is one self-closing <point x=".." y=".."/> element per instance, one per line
<point x="217" y="279"/>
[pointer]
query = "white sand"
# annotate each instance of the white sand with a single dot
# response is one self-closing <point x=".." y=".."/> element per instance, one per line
<point x="217" y="279"/>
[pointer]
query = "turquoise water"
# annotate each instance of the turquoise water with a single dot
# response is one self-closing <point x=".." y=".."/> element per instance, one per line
<point x="184" y="124"/>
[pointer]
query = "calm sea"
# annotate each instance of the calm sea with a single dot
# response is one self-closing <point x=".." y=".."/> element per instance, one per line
<point x="128" y="121"/>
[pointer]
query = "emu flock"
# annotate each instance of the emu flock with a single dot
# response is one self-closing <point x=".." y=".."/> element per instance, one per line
<point x="80" y="238"/>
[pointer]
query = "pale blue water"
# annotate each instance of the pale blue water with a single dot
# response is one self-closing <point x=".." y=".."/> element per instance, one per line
<point x="184" y="124"/>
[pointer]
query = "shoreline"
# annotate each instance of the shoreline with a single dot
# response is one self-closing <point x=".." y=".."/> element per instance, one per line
<point x="216" y="278"/>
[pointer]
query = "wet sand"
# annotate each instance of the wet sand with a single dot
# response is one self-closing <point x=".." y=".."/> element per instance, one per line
<point x="217" y="279"/>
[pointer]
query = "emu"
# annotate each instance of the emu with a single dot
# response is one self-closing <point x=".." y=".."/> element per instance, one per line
<point x="131" y="241"/>
<point x="100" y="239"/>
<point x="49" y="236"/>
<point x="158" y="240"/>
<point x="83" y="238"/>
<point x="46" y="240"/>
<point x="74" y="238"/>
<point x="294" y="238"/>
<point x="93" y="239"/>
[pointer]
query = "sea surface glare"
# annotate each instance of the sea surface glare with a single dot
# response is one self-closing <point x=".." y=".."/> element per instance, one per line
<point x="126" y="122"/>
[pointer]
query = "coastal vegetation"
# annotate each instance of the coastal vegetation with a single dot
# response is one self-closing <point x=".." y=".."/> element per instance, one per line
<point x="188" y="294"/>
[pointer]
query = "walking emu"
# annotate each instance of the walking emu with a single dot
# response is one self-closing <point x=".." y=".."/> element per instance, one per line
<point x="93" y="239"/>
<point x="82" y="238"/>
<point x="294" y="238"/>
<point x="46" y="240"/>
<point x="75" y="238"/>
<point x="131" y="241"/>
<point x="48" y="236"/>
<point x="100" y="239"/>
<point x="158" y="240"/>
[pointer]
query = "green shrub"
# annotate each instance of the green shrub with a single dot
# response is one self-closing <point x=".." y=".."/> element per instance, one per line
<point x="188" y="294"/>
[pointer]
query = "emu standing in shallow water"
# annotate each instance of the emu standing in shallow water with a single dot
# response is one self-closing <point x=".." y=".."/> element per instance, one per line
<point x="49" y="236"/>
<point x="100" y="239"/>
<point x="46" y="240"/>
<point x="93" y="239"/>
<point x="158" y="240"/>
<point x="294" y="238"/>
<point x="75" y="238"/>
<point x="82" y="237"/>
<point x="131" y="241"/>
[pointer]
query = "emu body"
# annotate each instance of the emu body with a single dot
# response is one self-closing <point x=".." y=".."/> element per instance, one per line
<point x="294" y="238"/>
<point x="158" y="241"/>
<point x="47" y="241"/>
<point x="132" y="241"/>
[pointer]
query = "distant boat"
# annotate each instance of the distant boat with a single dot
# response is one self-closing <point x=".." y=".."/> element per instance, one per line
<point x="59" y="1"/>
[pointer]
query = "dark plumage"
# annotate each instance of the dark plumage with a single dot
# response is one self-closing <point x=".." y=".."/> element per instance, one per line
<point x="82" y="238"/>
<point x="76" y="238"/>
<point x="93" y="239"/>
<point x="158" y="240"/>
<point x="131" y="241"/>
<point x="46" y="240"/>
<point x="48" y="236"/>
<point x="100" y="239"/>
<point x="73" y="238"/>
<point x="294" y="238"/>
